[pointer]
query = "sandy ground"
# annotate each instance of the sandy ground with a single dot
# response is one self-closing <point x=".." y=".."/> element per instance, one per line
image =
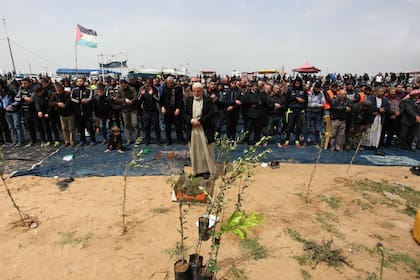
<point x="80" y="232"/>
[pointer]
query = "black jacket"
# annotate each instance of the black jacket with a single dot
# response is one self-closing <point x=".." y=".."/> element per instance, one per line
<point x="165" y="99"/>
<point x="64" y="98"/>
<point x="254" y="102"/>
<point x="206" y="118"/>
<point x="102" y="107"/>
<point x="338" y="109"/>
<point x="149" y="102"/>
<point x="77" y="94"/>
<point x="409" y="111"/>
<point x="291" y="98"/>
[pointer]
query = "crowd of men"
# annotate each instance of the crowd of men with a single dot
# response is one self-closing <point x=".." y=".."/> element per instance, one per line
<point x="336" y="111"/>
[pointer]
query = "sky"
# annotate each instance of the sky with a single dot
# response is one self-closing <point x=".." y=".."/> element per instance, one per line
<point x="334" y="35"/>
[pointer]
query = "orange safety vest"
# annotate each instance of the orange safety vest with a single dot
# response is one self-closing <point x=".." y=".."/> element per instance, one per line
<point x="327" y="105"/>
<point x="362" y="97"/>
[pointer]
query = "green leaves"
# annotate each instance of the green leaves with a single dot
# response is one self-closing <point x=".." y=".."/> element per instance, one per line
<point x="239" y="223"/>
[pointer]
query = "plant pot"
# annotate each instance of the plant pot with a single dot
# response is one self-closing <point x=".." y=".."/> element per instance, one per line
<point x="182" y="270"/>
<point x="203" y="229"/>
<point x="201" y="197"/>
<point x="196" y="263"/>
<point x="206" y="275"/>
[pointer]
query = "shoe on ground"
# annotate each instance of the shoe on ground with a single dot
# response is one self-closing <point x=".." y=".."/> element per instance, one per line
<point x="81" y="143"/>
<point x="279" y="145"/>
<point x="66" y="144"/>
<point x="103" y="142"/>
<point x="286" y="143"/>
<point x="27" y="145"/>
<point x="91" y="144"/>
<point x="57" y="143"/>
<point x="17" y="145"/>
<point x="297" y="143"/>
<point x="138" y="141"/>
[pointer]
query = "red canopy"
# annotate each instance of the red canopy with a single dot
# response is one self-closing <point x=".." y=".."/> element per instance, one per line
<point x="307" y="68"/>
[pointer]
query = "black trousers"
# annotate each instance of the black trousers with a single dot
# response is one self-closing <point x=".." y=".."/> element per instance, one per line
<point x="83" y="123"/>
<point x="295" y="121"/>
<point x="170" y="119"/>
<point x="151" y="119"/>
<point x="116" y="117"/>
<point x="4" y="129"/>
<point x="29" y="117"/>
<point x="391" y="127"/>
<point x="232" y="119"/>
<point x="254" y="126"/>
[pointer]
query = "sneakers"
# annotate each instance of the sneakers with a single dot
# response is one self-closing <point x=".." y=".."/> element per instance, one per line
<point x="286" y="143"/>
<point x="57" y="143"/>
<point x="66" y="144"/>
<point x="18" y="145"/>
<point x="103" y="142"/>
<point x="297" y="143"/>
<point x="81" y="143"/>
<point x="138" y="141"/>
<point x="91" y="144"/>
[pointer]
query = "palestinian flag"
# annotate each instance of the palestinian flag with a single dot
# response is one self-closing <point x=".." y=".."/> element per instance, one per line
<point x="86" y="37"/>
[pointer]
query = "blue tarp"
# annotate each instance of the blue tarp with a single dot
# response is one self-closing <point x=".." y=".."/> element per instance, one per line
<point x="92" y="161"/>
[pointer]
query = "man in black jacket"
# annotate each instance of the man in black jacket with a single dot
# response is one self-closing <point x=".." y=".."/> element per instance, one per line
<point x="149" y="102"/>
<point x="102" y="109"/>
<point x="340" y="110"/>
<point x="171" y="103"/>
<point x="297" y="100"/>
<point x="231" y="99"/>
<point x="410" y="119"/>
<point x="62" y="101"/>
<point x="82" y="105"/>
<point x="24" y="97"/>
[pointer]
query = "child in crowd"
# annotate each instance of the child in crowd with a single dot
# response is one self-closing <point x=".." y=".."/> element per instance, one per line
<point x="115" y="140"/>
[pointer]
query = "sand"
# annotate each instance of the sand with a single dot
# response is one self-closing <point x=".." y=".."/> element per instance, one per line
<point x="80" y="231"/>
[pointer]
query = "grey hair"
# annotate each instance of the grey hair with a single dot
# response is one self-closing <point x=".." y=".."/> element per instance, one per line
<point x="170" y="78"/>
<point x="197" y="85"/>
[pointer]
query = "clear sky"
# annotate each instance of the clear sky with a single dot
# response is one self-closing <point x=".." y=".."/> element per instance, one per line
<point x="335" y="35"/>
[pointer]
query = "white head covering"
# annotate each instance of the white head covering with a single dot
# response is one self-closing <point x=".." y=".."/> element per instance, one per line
<point x="200" y="86"/>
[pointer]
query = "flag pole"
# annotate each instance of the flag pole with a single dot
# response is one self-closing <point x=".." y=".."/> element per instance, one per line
<point x="75" y="56"/>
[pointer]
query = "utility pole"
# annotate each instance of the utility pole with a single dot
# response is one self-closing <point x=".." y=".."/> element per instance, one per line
<point x="10" y="48"/>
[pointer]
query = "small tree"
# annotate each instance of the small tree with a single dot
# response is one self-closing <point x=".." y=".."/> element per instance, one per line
<point x="25" y="219"/>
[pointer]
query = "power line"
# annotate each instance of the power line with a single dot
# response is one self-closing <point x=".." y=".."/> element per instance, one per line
<point x="34" y="54"/>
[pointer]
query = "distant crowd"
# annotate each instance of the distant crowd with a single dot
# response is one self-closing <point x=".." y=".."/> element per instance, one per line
<point x="337" y="111"/>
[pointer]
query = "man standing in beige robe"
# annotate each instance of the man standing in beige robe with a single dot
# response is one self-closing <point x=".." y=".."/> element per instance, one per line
<point x="199" y="114"/>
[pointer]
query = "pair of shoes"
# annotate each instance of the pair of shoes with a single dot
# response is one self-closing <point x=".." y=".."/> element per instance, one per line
<point x="107" y="151"/>
<point x="138" y="141"/>
<point x="81" y="143"/>
<point x="103" y="142"/>
<point x="57" y="143"/>
<point x="275" y="164"/>
<point x="92" y="143"/>
<point x="121" y="151"/>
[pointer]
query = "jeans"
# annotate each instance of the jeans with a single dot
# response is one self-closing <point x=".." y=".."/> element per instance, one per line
<point x="14" y="121"/>
<point x="313" y="126"/>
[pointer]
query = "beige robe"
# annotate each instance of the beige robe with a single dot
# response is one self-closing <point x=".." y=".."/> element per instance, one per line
<point x="201" y="153"/>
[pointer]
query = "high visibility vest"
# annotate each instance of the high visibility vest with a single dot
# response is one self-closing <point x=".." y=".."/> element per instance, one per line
<point x="362" y="97"/>
<point x="327" y="105"/>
